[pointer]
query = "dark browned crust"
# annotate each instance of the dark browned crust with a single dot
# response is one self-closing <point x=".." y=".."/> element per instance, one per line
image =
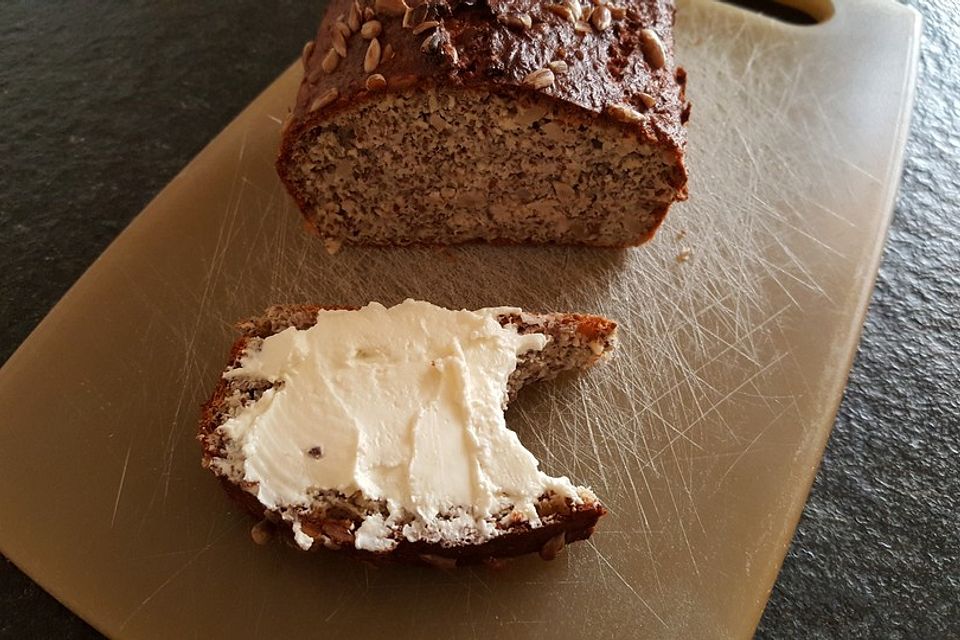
<point x="480" y="52"/>
<point x="520" y="539"/>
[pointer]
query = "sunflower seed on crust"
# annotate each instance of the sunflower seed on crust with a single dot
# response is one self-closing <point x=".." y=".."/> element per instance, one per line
<point x="558" y="67"/>
<point x="342" y="28"/>
<point x="307" y="51"/>
<point x="624" y="113"/>
<point x="372" y="58"/>
<point x="648" y="100"/>
<point x="426" y="25"/>
<point x="575" y="9"/>
<point x="339" y="44"/>
<point x="375" y="82"/>
<point x="601" y="18"/>
<point x="652" y="47"/>
<point x="330" y="61"/>
<point x="355" y="17"/>
<point x="371" y="29"/>
<point x="390" y="7"/>
<point x="326" y="98"/>
<point x="387" y="53"/>
<point x="563" y="11"/>
<point x="519" y="22"/>
<point x="539" y="79"/>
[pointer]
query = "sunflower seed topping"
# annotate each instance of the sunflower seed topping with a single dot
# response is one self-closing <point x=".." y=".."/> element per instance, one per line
<point x="624" y="113"/>
<point x="371" y="29"/>
<point x="426" y="25"/>
<point x="330" y="61"/>
<point x="307" y="51"/>
<point x="376" y="82"/>
<point x="563" y="11"/>
<point x="539" y="79"/>
<point x="355" y="17"/>
<point x="340" y="44"/>
<point x="343" y="29"/>
<point x="390" y="7"/>
<point x="326" y="98"/>
<point x="601" y="18"/>
<point x="372" y="58"/>
<point x="653" y="49"/>
<point x="520" y="22"/>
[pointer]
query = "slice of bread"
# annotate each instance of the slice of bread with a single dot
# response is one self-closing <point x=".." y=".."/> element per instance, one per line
<point x="574" y="342"/>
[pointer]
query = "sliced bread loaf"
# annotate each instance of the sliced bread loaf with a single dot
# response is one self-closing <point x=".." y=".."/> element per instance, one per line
<point x="450" y="121"/>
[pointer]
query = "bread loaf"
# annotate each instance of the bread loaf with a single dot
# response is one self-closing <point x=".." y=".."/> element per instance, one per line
<point x="488" y="120"/>
<point x="334" y="520"/>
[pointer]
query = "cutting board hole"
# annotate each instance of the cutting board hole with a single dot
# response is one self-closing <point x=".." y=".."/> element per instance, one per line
<point x="796" y="12"/>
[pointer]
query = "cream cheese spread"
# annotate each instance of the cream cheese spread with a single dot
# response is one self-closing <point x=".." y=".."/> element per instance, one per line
<point x="404" y="404"/>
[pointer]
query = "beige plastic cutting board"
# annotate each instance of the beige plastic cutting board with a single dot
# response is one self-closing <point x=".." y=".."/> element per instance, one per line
<point x="702" y="434"/>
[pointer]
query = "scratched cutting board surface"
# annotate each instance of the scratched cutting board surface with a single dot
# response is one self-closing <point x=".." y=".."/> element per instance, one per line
<point x="702" y="434"/>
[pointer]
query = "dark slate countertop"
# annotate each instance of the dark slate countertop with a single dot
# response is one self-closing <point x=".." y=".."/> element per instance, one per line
<point x="102" y="103"/>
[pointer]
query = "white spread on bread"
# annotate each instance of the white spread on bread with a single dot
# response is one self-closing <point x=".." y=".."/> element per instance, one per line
<point x="404" y="404"/>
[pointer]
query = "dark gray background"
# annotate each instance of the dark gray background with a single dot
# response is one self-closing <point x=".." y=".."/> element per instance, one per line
<point x="101" y="103"/>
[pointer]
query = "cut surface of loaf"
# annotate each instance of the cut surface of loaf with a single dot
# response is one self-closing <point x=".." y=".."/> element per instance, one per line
<point x="499" y="120"/>
<point x="407" y="509"/>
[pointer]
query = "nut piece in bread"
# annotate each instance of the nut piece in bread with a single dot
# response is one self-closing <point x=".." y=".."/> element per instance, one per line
<point x="496" y="120"/>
